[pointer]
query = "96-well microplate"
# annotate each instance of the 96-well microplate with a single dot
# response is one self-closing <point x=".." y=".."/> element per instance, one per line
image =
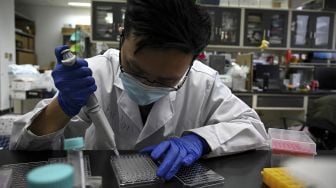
<point x="134" y="170"/>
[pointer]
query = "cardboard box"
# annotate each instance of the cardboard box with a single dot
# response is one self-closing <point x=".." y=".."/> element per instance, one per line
<point x="25" y="58"/>
<point x="19" y="41"/>
<point x="23" y="41"/>
<point x="31" y="44"/>
<point x="283" y="4"/>
<point x="68" y="30"/>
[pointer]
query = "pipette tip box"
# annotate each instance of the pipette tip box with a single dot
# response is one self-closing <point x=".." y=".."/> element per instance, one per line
<point x="288" y="144"/>
<point x="285" y="141"/>
<point x="280" y="178"/>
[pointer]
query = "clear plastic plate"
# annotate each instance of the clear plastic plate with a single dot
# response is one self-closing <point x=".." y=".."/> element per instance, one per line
<point x="134" y="170"/>
<point x="137" y="169"/>
<point x="198" y="175"/>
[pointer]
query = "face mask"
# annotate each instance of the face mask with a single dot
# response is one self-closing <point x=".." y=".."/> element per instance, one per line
<point x="141" y="93"/>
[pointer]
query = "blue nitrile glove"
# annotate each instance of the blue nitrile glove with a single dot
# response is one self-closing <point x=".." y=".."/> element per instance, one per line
<point x="75" y="83"/>
<point x="177" y="152"/>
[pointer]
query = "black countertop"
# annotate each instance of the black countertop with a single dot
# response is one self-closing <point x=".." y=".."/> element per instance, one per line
<point x="239" y="170"/>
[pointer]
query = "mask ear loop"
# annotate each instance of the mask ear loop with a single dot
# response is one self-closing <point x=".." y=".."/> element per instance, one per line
<point x="185" y="77"/>
<point x="122" y="35"/>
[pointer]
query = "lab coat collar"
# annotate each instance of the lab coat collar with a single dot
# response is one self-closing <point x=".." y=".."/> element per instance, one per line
<point x="117" y="80"/>
<point x="160" y="114"/>
<point x="131" y="109"/>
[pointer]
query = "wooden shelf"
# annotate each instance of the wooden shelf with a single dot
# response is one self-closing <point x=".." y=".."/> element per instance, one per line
<point x="24" y="34"/>
<point x="22" y="16"/>
<point x="25" y="50"/>
<point x="298" y="66"/>
<point x="308" y="65"/>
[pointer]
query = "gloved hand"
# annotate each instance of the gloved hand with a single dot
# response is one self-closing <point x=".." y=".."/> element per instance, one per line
<point x="177" y="152"/>
<point x="75" y="83"/>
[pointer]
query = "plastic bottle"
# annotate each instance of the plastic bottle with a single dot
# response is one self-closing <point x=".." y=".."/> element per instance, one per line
<point x="74" y="148"/>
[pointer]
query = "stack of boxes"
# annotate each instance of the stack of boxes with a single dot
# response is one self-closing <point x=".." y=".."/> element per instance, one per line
<point x="25" y="45"/>
<point x="25" y="40"/>
<point x="286" y="144"/>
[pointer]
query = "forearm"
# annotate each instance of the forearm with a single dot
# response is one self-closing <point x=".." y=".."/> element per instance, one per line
<point x="50" y="120"/>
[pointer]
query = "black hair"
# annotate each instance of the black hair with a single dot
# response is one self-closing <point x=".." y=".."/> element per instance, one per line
<point x="168" y="24"/>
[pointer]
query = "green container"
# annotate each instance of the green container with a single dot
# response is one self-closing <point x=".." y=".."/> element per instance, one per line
<point x="76" y="143"/>
<point x="51" y="176"/>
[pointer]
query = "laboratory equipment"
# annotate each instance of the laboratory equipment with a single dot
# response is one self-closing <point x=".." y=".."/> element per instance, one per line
<point x="93" y="108"/>
<point x="268" y="75"/>
<point x="134" y="170"/>
<point x="20" y="170"/>
<point x="139" y="169"/>
<point x="290" y="141"/>
<point x="280" y="178"/>
<point x="326" y="77"/>
<point x="218" y="62"/>
<point x="329" y="5"/>
<point x="322" y="56"/>
<point x="198" y="175"/>
<point x="74" y="148"/>
<point x="52" y="175"/>
<point x="87" y="167"/>
<point x="289" y="144"/>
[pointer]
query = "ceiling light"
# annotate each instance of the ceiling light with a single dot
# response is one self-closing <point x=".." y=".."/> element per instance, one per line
<point x="78" y="4"/>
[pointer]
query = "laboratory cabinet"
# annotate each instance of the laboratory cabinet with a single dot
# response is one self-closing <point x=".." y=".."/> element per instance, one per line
<point x="107" y="17"/>
<point x="225" y="25"/>
<point x="270" y="25"/>
<point x="312" y="29"/>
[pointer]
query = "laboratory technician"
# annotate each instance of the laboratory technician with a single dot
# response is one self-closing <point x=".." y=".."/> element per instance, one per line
<point x="156" y="96"/>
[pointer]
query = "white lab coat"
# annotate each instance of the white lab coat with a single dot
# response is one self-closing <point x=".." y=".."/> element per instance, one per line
<point x="204" y="105"/>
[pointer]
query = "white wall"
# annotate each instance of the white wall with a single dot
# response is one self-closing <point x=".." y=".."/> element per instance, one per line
<point x="7" y="46"/>
<point x="49" y="21"/>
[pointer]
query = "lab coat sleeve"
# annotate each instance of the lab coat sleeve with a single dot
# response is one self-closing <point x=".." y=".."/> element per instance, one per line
<point x="230" y="125"/>
<point x="24" y="139"/>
